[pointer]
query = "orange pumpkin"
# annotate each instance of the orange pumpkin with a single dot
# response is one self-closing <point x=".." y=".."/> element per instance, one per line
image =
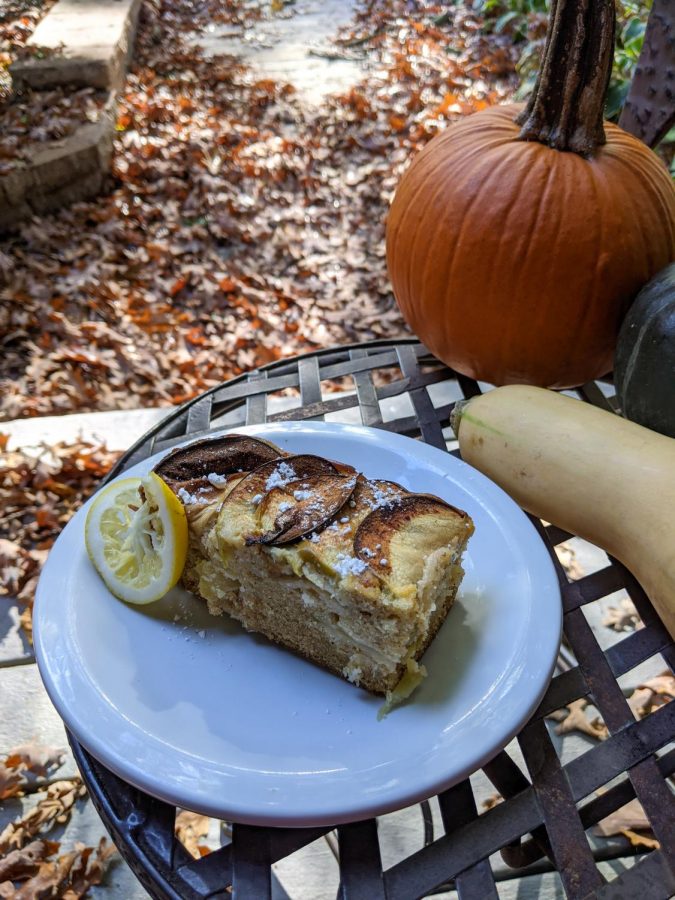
<point x="514" y="252"/>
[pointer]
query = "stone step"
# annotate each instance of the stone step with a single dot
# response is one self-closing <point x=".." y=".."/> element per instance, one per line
<point x="87" y="44"/>
<point x="59" y="172"/>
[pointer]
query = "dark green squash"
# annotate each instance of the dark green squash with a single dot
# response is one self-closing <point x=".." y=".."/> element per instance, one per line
<point x="644" y="365"/>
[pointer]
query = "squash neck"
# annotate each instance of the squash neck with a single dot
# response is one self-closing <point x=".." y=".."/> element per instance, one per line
<point x="567" y="104"/>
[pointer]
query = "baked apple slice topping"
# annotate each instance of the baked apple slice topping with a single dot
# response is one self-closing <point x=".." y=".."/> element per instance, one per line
<point x="303" y="506"/>
<point x="222" y="455"/>
<point x="395" y="539"/>
<point x="284" y="499"/>
<point x="201" y="472"/>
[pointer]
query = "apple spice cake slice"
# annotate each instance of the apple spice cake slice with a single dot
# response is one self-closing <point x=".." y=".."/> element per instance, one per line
<point x="352" y="573"/>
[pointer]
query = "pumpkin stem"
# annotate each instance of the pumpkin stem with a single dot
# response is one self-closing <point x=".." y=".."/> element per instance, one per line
<point x="567" y="104"/>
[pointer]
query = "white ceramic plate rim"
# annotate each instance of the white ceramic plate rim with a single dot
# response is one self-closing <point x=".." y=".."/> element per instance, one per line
<point x="312" y="808"/>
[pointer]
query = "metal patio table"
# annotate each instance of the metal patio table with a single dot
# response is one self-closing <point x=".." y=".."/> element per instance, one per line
<point x="541" y="825"/>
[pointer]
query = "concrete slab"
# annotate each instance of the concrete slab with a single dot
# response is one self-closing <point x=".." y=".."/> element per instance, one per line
<point x="26" y="714"/>
<point x="89" y="40"/>
<point x="117" y="429"/>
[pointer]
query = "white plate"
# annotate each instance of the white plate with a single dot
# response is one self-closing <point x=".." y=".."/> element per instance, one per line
<point x="199" y="713"/>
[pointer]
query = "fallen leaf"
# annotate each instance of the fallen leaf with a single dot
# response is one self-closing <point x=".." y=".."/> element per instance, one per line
<point x="54" y="807"/>
<point x="492" y="800"/>
<point x="26" y="767"/>
<point x="630" y="816"/>
<point x="10" y="782"/>
<point x="663" y="684"/>
<point x="623" y="617"/>
<point x="576" y="720"/>
<point x="640" y="840"/>
<point x="569" y="562"/>
<point x="39" y="491"/>
<point x="640" y="702"/>
<point x="69" y="876"/>
<point x="38" y="759"/>
<point x="18" y="865"/>
<point x="26" y="622"/>
<point x="191" y="828"/>
<point x="90" y="868"/>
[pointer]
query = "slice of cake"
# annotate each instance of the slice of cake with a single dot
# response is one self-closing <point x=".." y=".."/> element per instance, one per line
<point x="354" y="574"/>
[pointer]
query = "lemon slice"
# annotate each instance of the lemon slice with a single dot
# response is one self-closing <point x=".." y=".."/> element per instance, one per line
<point x="136" y="536"/>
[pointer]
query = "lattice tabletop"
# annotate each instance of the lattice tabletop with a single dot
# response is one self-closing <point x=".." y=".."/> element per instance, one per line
<point x="548" y="809"/>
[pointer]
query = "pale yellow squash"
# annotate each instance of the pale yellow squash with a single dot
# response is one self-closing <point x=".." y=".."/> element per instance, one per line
<point x="588" y="471"/>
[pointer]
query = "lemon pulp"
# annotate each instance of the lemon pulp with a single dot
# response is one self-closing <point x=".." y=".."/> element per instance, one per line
<point x="136" y="536"/>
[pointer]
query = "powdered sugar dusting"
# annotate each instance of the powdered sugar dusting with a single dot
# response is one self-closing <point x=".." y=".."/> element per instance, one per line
<point x="280" y="476"/>
<point x="217" y="480"/>
<point x="349" y="565"/>
<point x="382" y="497"/>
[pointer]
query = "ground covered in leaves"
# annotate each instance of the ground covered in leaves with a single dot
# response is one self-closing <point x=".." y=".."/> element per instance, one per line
<point x="31" y="866"/>
<point x="241" y="225"/>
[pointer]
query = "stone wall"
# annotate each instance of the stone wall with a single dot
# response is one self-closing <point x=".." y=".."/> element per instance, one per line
<point x="90" y="43"/>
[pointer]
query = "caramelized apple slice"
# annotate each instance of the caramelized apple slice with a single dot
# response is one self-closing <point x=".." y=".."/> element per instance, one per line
<point x="396" y="539"/>
<point x="240" y="514"/>
<point x="377" y="493"/>
<point x="217" y="456"/>
<point x="302" y="506"/>
<point x="203" y="472"/>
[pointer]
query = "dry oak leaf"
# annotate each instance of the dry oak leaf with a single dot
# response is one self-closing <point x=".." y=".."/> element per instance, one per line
<point x="569" y="562"/>
<point x="89" y="868"/>
<point x="640" y="702"/>
<point x="652" y="694"/>
<point x="628" y="821"/>
<point x="663" y="684"/>
<point x="631" y="816"/>
<point x="10" y="782"/>
<point x="640" y="840"/>
<point x="70" y="876"/>
<point x="492" y="801"/>
<point x="32" y="760"/>
<point x="36" y="758"/>
<point x="26" y="622"/>
<point x="54" y="808"/>
<point x="576" y="720"/>
<point x="21" y="864"/>
<point x="12" y="563"/>
<point x="190" y="829"/>
<point x="623" y="617"/>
